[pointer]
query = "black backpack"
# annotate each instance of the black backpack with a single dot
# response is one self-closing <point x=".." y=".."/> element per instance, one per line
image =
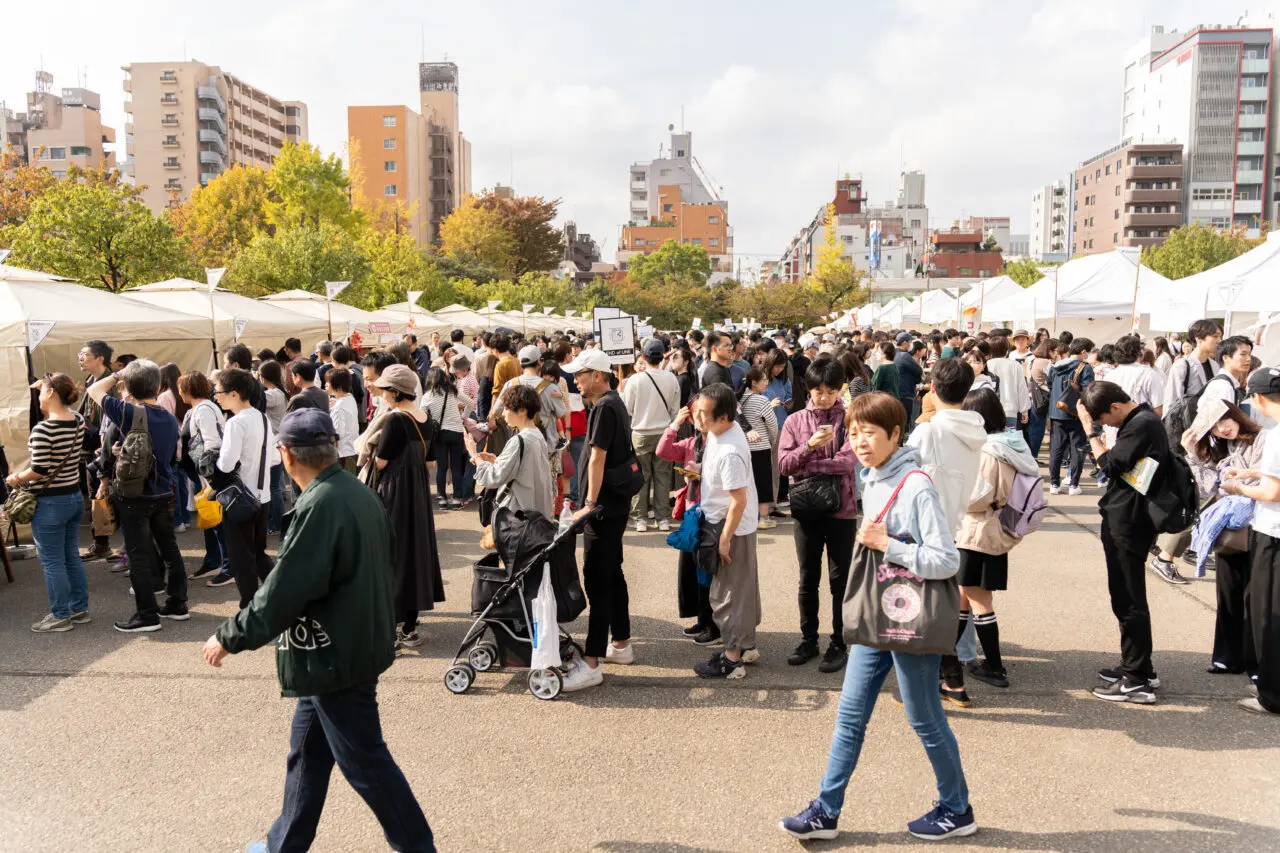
<point x="1175" y="505"/>
<point x="136" y="459"/>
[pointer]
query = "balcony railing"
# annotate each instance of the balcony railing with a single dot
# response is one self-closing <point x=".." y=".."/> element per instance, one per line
<point x="169" y="121"/>
<point x="1252" y="120"/>
<point x="1248" y="205"/>
<point x="1144" y="242"/>
<point x="1255" y="66"/>
<point x="172" y="164"/>
<point x="170" y="143"/>
<point x="211" y="115"/>
<point x="1141" y="196"/>
<point x="1152" y="220"/>
<point x="212" y="137"/>
<point x="1249" y="176"/>
<point x="213" y="158"/>
<point x="1167" y="171"/>
<point x="211" y="93"/>
<point x="1253" y="93"/>
<point x="1251" y="148"/>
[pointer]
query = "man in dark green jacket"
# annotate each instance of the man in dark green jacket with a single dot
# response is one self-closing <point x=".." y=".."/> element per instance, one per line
<point x="328" y="605"/>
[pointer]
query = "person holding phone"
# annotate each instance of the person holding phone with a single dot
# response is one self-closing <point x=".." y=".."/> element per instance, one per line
<point x="762" y="438"/>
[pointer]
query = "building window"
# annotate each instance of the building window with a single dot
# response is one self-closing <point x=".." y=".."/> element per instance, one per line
<point x="389" y="144"/>
<point x="664" y="172"/>
<point x="168" y="75"/>
<point x="1085" y="181"/>
<point x="1115" y="237"/>
<point x="713" y="241"/>
<point x="965" y="272"/>
<point x="1117" y="189"/>
<point x="57" y="153"/>
<point x="1097" y="174"/>
<point x="388" y="165"/>
<point x="81" y="150"/>
<point x="639" y="241"/>
<point x="389" y="189"/>
<point x="1117" y="214"/>
<point x="713" y="220"/>
<point x="388" y="121"/>
<point x="666" y="208"/>
<point x="1108" y="168"/>
<point x="171" y="161"/>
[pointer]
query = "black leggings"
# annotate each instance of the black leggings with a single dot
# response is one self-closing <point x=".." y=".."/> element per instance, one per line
<point x="450" y="457"/>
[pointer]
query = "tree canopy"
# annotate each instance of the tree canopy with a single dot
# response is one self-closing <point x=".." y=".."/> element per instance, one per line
<point x="836" y="282"/>
<point x="1195" y="248"/>
<point x="473" y="231"/>
<point x="1025" y="272"/>
<point x="536" y="244"/>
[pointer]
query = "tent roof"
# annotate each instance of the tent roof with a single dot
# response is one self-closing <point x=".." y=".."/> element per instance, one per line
<point x="989" y="291"/>
<point x="937" y="306"/>
<point x="8" y="273"/>
<point x="267" y="324"/>
<point x="294" y="295"/>
<point x="1252" y="275"/>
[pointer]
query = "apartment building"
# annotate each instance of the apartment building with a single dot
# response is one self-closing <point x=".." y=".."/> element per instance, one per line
<point x="189" y="121"/>
<point x="1130" y="195"/>
<point x="1050" y="223"/>
<point x="59" y="130"/>
<point x="958" y="253"/>
<point x="438" y="99"/>
<point x="390" y="150"/>
<point x="997" y="227"/>
<point x="1209" y="90"/>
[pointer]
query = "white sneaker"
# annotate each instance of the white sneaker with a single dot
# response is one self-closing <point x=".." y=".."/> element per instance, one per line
<point x="767" y="523"/>
<point x="181" y="528"/>
<point x="622" y="657"/>
<point x="750" y="655"/>
<point x="664" y="526"/>
<point x="1055" y="490"/>
<point x="1075" y="490"/>
<point x="641" y="527"/>
<point x="581" y="676"/>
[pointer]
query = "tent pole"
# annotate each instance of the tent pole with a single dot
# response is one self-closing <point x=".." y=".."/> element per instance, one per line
<point x="1136" y="275"/>
<point x="213" y="329"/>
<point x="328" y="311"/>
<point x="1055" y="302"/>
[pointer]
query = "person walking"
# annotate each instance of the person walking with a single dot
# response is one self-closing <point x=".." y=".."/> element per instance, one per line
<point x="342" y="410"/>
<point x="399" y="476"/>
<point x="915" y="515"/>
<point x="885" y="376"/>
<point x="520" y="473"/>
<point x="54" y="447"/>
<point x="172" y="402"/>
<point x="907" y="359"/>
<point x="605" y="456"/>
<point x="1068" y="379"/>
<point x="1127" y="531"/>
<point x="1188" y="376"/>
<point x="692" y="588"/>
<point x="146" y="507"/>
<point x="328" y="607"/>
<point x="1011" y="382"/>
<point x="815" y="443"/>
<point x="201" y="437"/>
<point x="652" y="398"/>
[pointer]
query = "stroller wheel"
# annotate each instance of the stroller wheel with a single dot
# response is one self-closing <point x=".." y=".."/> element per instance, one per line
<point x="458" y="678"/>
<point x="482" y="657"/>
<point x="545" y="683"/>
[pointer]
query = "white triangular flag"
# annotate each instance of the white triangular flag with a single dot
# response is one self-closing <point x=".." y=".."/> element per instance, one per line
<point x="571" y="313"/>
<point x="525" y="309"/>
<point x="546" y="312"/>
<point x="241" y="322"/>
<point x="333" y="288"/>
<point x="494" y="303"/>
<point x="213" y="276"/>
<point x="37" y="331"/>
<point x="412" y="296"/>
<point x="4" y="253"/>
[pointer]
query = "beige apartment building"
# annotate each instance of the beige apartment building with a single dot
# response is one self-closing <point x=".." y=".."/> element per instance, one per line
<point x="189" y="121"/>
<point x="1129" y="195"/>
<point x="60" y="131"/>
<point x="389" y="147"/>
<point x="438" y="93"/>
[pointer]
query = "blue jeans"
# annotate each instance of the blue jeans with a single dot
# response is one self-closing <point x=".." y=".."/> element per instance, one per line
<point x="181" y="514"/>
<point x="215" y="550"/>
<point x="918" y="680"/>
<point x="56" y="529"/>
<point x="344" y="728"/>
<point x="275" y="509"/>
<point x="1011" y="423"/>
<point x="1035" y="430"/>
<point x="575" y="452"/>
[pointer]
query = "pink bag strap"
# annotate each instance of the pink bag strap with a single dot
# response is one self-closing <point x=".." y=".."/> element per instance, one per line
<point x="893" y="497"/>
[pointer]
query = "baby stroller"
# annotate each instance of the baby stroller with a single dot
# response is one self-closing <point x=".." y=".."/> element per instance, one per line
<point x="502" y="589"/>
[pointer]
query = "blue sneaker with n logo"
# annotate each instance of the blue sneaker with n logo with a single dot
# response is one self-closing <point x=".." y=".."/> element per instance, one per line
<point x="813" y="822"/>
<point x="942" y="823"/>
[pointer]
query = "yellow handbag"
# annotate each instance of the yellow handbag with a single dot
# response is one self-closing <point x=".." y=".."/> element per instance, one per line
<point x="208" y="510"/>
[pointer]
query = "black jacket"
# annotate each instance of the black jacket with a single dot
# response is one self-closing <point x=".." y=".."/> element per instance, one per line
<point x="1123" y="508"/>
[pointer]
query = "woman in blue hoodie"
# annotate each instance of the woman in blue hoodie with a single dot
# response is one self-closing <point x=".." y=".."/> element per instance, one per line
<point x="916" y="535"/>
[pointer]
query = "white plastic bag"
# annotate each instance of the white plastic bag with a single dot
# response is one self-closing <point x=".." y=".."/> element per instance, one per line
<point x="546" y="633"/>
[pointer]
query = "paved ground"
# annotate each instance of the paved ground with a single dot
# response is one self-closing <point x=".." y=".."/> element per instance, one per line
<point x="119" y="743"/>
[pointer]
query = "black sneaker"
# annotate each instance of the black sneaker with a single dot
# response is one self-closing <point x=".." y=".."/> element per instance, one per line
<point x="1189" y="557"/>
<point x="1126" y="689"/>
<point x="721" y="667"/>
<point x="175" y="610"/>
<point x="834" y="660"/>
<point x="693" y="630"/>
<point x="205" y="571"/>
<point x="709" y="637"/>
<point x="441" y="502"/>
<point x="1168" y="572"/>
<point x="984" y="673"/>
<point x="1111" y="676"/>
<point x="956" y="696"/>
<point x="222" y="579"/>
<point x="805" y="652"/>
<point x="135" y="624"/>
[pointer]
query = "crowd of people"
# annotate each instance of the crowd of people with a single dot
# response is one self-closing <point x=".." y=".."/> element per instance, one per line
<point x="913" y="451"/>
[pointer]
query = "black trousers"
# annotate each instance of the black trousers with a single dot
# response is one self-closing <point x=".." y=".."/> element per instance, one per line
<point x="693" y="599"/>
<point x="604" y="584"/>
<point x="148" y="529"/>
<point x="1067" y="443"/>
<point x="812" y="536"/>
<point x="450" y="456"/>
<point x="1232" y="645"/>
<point x="247" y="550"/>
<point x="1127" y="582"/>
<point x="1263" y="605"/>
<point x="486" y="396"/>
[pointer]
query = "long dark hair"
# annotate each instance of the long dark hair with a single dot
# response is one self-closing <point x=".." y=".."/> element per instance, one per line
<point x="438" y="379"/>
<point x="169" y="376"/>
<point x="1214" y="450"/>
<point x="854" y="368"/>
<point x="1162" y="346"/>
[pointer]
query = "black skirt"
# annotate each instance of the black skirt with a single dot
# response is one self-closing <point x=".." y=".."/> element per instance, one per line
<point x="985" y="571"/>
<point x="762" y="473"/>
<point x="405" y="490"/>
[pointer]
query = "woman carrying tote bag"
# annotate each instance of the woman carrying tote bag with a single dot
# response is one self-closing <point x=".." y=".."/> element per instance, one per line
<point x="905" y="554"/>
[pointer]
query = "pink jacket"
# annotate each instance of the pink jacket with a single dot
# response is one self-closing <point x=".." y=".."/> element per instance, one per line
<point x="681" y="452"/>
<point x="796" y="459"/>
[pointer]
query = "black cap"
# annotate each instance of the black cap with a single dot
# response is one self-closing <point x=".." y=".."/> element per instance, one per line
<point x="307" y="428"/>
<point x="1265" y="381"/>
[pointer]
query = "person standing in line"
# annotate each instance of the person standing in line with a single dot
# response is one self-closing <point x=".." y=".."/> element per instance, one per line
<point x="1189" y="375"/>
<point x="953" y="340"/>
<point x="885" y="376"/>
<point x="342" y="410"/>
<point x="95" y="360"/>
<point x="506" y="368"/>
<point x="729" y="500"/>
<point x="1236" y="357"/>
<point x="815" y="442"/>
<point x="201" y="436"/>
<point x="652" y="399"/>
<point x="305" y="391"/>
<point x="468" y="387"/>
<point x="482" y="370"/>
<point x="692" y="590"/>
<point x="1011" y="383"/>
<point x="240" y="357"/>
<point x="247" y="445"/>
<point x="172" y="403"/>
<point x="910" y="373"/>
<point x="563" y="354"/>
<point x="445" y="405"/>
<point x="762" y="439"/>
<point x="328" y="607"/>
<point x="344" y="358"/>
<point x="1068" y="379"/>
<point x="1263" y="594"/>
<point x="1164" y="358"/>
<point x="271" y="377"/>
<point x="292" y="355"/>
<point x="54" y="446"/>
<point x="720" y="347"/>
<point x="1046" y="353"/>
<point x="1127" y="531"/>
<point x="323" y="362"/>
<point x="915" y="516"/>
<point x="605" y="510"/>
<point x="519" y="474"/>
<point x="147" y="518"/>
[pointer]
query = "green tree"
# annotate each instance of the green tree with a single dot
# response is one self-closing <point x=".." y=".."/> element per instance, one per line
<point x="478" y="232"/>
<point x="304" y="258"/>
<point x="396" y="266"/>
<point x="1025" y="272"/>
<point x="836" y="282"/>
<point x="537" y="245"/>
<point x="93" y="228"/>
<point x="462" y="265"/>
<point x="1195" y="248"/>
<point x="20" y="185"/>
<point x="671" y="261"/>
<point x="224" y="216"/>
<point x="990" y="245"/>
<point x="308" y="188"/>
<point x="532" y="287"/>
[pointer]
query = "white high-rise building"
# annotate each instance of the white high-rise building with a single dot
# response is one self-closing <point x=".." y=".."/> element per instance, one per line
<point x="1208" y="89"/>
<point x="677" y="168"/>
<point x="1050" y="222"/>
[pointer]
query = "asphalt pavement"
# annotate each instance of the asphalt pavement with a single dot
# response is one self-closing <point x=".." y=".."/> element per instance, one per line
<point x="131" y="743"/>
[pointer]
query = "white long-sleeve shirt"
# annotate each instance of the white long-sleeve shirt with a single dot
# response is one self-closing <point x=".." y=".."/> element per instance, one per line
<point x="242" y="444"/>
<point x="652" y="397"/>
<point x="346" y="422"/>
<point x="1014" y="393"/>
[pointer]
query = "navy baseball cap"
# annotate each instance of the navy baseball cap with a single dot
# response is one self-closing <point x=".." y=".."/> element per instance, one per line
<point x="307" y="428"/>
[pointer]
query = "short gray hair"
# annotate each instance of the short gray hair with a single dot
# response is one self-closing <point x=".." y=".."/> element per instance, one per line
<point x="142" y="379"/>
<point x="316" y="457"/>
<point x="325" y="347"/>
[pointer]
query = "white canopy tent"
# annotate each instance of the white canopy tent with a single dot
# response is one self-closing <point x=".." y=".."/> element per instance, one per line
<point x="938" y="306"/>
<point x="345" y="318"/>
<point x="468" y="320"/>
<point x="31" y="300"/>
<point x="424" y="322"/>
<point x="265" y="325"/>
<point x="1244" y="286"/>
<point x="899" y="312"/>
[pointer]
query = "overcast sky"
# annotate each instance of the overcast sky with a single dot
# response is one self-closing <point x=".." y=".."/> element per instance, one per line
<point x="989" y="99"/>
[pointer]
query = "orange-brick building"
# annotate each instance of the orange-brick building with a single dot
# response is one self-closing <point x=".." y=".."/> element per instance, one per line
<point x="705" y="225"/>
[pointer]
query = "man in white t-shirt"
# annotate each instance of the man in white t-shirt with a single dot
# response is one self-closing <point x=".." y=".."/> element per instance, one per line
<point x="729" y="498"/>
<point x="1141" y="383"/>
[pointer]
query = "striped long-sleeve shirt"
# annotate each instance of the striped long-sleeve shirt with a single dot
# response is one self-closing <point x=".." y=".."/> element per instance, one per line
<point x="51" y="442"/>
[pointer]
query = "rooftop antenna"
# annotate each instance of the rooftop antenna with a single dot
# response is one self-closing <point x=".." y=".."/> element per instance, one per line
<point x="424" y="42"/>
<point x="682" y="118"/>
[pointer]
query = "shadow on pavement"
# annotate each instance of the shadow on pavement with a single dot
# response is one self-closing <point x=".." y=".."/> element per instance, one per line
<point x="650" y="847"/>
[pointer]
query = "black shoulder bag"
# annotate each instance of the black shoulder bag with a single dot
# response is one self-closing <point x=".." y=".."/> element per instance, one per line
<point x="818" y="495"/>
<point x="624" y="480"/>
<point x="238" y="504"/>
